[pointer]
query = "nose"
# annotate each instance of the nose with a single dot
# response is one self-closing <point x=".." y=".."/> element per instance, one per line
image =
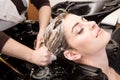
<point x="91" y="25"/>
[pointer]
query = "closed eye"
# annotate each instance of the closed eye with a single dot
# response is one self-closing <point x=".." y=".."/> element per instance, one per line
<point x="81" y="30"/>
<point x="78" y="29"/>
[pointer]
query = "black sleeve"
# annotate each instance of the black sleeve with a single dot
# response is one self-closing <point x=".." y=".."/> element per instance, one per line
<point x="39" y="3"/>
<point x="3" y="39"/>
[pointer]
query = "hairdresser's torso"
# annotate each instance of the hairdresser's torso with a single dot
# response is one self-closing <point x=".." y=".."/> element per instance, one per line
<point x="9" y="10"/>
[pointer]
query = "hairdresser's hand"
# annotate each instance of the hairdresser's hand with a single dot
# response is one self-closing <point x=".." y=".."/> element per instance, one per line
<point x="41" y="56"/>
<point x="39" y="40"/>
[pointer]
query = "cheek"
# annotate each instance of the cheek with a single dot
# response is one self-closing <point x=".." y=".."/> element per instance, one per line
<point x="80" y="41"/>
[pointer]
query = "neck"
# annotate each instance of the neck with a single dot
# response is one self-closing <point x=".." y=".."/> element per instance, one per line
<point x="100" y="60"/>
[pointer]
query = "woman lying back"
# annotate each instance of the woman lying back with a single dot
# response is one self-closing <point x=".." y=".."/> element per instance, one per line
<point x="82" y="42"/>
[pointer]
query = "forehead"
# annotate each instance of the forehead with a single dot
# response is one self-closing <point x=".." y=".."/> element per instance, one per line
<point x="71" y="19"/>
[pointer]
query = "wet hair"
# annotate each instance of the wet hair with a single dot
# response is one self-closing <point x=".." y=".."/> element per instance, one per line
<point x="54" y="37"/>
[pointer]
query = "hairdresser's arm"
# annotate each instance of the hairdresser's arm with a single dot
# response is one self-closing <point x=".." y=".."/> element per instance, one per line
<point x="15" y="49"/>
<point x="44" y="17"/>
<point x="44" y="10"/>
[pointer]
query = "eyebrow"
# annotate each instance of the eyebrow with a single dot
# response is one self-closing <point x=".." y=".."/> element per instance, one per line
<point x="77" y="23"/>
<point x="74" y="26"/>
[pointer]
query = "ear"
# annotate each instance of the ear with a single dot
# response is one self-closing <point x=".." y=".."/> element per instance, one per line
<point x="72" y="55"/>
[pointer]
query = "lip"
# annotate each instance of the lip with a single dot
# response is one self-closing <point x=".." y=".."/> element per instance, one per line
<point x="99" y="31"/>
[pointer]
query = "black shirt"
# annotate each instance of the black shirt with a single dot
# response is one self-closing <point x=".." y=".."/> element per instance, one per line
<point x="37" y="3"/>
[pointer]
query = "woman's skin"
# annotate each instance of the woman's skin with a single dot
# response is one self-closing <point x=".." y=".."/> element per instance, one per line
<point x="89" y="42"/>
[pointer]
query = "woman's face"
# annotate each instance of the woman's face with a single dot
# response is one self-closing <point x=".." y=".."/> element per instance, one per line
<point x="84" y="36"/>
